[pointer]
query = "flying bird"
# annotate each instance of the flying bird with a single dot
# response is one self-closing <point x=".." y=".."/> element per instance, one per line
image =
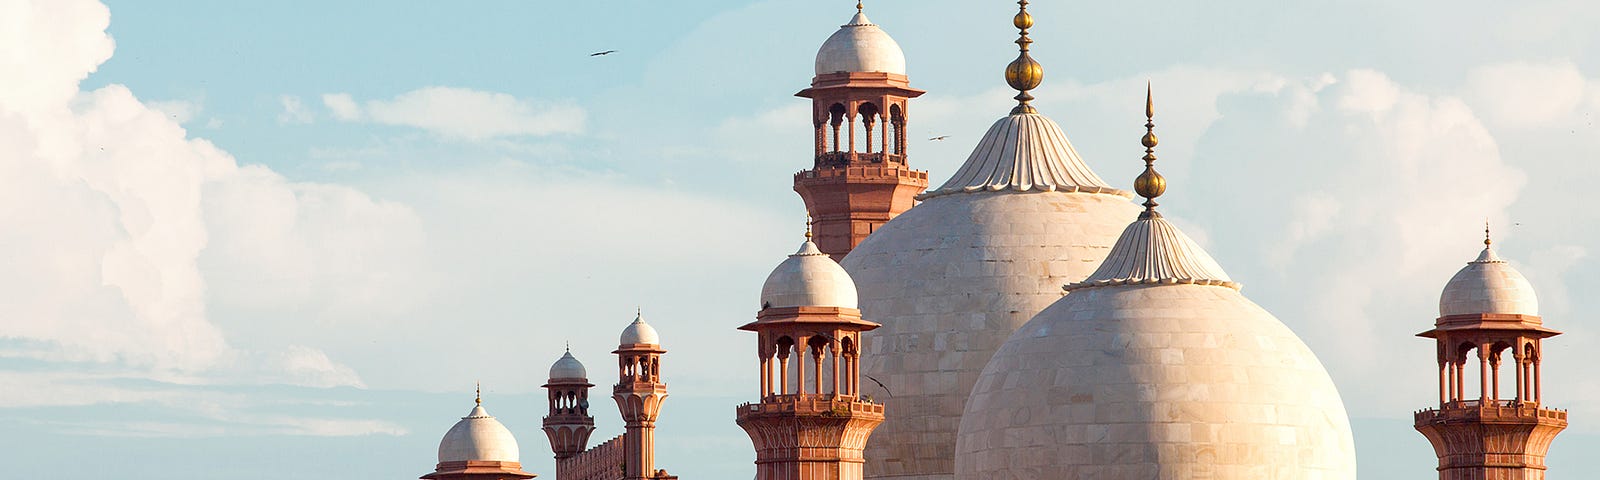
<point x="880" y="384"/>
<point x="939" y="138"/>
<point x="607" y="52"/>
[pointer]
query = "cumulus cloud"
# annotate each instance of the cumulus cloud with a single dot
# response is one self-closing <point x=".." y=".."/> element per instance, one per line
<point x="1525" y="94"/>
<point x="108" y="206"/>
<point x="463" y="114"/>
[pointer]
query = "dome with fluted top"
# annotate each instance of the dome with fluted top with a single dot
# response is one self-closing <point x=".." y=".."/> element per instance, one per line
<point x="478" y="437"/>
<point x="639" y="332"/>
<point x="568" y="366"/>
<point x="1155" y="366"/>
<point x="1488" y="285"/>
<point x="951" y="278"/>
<point x="809" y="278"/>
<point x="860" y="46"/>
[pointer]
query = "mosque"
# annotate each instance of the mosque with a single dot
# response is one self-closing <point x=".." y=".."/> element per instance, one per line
<point x="1027" y="320"/>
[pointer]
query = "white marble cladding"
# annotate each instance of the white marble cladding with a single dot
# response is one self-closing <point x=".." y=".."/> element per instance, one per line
<point x="568" y="366"/>
<point x="1155" y="381"/>
<point x="478" y="437"/>
<point x="949" y="281"/>
<point x="860" y="46"/>
<point x="808" y="278"/>
<point x="1024" y="152"/>
<point x="1152" y="250"/>
<point x="1488" y="285"/>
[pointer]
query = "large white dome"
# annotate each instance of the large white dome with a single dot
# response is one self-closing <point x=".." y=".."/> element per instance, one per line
<point x="1488" y="285"/>
<point x="860" y="46"/>
<point x="808" y="279"/>
<point x="951" y="278"/>
<point x="478" y="437"/>
<point x="1155" y="367"/>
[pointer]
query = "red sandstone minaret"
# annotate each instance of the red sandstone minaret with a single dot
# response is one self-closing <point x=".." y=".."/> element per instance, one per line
<point x="810" y="422"/>
<point x="1487" y="309"/>
<point x="568" y="424"/>
<point x="859" y="178"/>
<point x="639" y="393"/>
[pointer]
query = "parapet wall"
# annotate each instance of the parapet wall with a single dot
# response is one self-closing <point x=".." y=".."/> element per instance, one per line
<point x="602" y="462"/>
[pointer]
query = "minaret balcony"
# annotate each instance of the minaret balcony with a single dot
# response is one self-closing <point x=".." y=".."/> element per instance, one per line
<point x="846" y="159"/>
<point x="1495" y="411"/>
<point x="813" y="405"/>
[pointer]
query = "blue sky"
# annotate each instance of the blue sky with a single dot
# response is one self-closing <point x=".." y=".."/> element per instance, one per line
<point x="285" y="239"/>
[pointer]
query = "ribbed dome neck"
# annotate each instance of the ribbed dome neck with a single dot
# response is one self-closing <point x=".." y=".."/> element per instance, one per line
<point x="1152" y="251"/>
<point x="1024" y="152"/>
<point x="860" y="20"/>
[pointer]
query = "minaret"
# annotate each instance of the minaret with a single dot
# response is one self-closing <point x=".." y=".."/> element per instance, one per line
<point x="810" y="421"/>
<point x="639" y="393"/>
<point x="568" y="424"/>
<point x="859" y="107"/>
<point x="1486" y="310"/>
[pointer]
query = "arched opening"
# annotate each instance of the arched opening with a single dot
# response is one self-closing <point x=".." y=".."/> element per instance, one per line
<point x="897" y="123"/>
<point x="835" y="119"/>
<point x="785" y="347"/>
<point x="818" y="347"/>
<point x="851" y="374"/>
<point x="869" y="118"/>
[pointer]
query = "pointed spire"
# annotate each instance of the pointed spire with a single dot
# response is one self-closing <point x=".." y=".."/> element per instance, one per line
<point x="479" y="399"/>
<point x="858" y="6"/>
<point x="1150" y="184"/>
<point x="1024" y="73"/>
<point x="1486" y="240"/>
<point x="809" y="221"/>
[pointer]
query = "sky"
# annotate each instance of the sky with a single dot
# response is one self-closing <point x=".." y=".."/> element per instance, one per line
<point x="285" y="239"/>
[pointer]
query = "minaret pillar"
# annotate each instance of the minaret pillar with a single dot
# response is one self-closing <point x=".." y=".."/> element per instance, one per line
<point x="639" y="392"/>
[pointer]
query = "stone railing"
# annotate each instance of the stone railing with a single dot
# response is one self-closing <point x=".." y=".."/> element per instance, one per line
<point x="1494" y="410"/>
<point x="840" y="159"/>
<point x="813" y="405"/>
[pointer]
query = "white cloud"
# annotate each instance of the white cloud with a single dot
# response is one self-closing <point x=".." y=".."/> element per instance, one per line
<point x="294" y="111"/>
<point x="343" y="106"/>
<point x="181" y="111"/>
<point x="464" y="114"/>
<point x="108" y="207"/>
<point x="1526" y="95"/>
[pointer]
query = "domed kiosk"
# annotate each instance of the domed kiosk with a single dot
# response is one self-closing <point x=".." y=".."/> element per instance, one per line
<point x="951" y="278"/>
<point x="1155" y="367"/>
<point x="478" y="448"/>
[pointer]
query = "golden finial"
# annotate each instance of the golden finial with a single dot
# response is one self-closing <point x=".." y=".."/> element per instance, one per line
<point x="1024" y="73"/>
<point x="808" y="226"/>
<point x="1486" y="240"/>
<point x="479" y="400"/>
<point x="1150" y="184"/>
<point x="858" y="6"/>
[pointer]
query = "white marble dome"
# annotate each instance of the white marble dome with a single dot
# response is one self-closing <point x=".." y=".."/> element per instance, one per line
<point x="568" y="366"/>
<point x="808" y="279"/>
<point x="478" y="437"/>
<point x="1155" y="367"/>
<point x="639" y="332"/>
<point x="951" y="278"/>
<point x="1488" y="285"/>
<point x="860" y="46"/>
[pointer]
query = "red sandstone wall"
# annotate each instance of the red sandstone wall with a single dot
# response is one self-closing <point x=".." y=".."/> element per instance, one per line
<point x="602" y="462"/>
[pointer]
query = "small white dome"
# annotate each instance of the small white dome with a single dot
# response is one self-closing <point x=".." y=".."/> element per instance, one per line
<point x="860" y="46"/>
<point x="808" y="279"/>
<point x="639" y="332"/>
<point x="568" y="367"/>
<point x="1488" y="285"/>
<point x="478" y="437"/>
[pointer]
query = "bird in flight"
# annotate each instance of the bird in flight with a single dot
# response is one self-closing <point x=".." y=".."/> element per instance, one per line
<point x="607" y="52"/>
<point x="880" y="385"/>
<point x="939" y="138"/>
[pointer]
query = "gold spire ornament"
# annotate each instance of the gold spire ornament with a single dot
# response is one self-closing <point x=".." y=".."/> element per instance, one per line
<point x="1486" y="241"/>
<point x="858" y="6"/>
<point x="1024" y="73"/>
<point x="809" y="221"/>
<point x="1150" y="184"/>
<point x="479" y="399"/>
